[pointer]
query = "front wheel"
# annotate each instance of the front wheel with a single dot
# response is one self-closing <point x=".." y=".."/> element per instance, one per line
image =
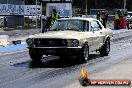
<point x="35" y="56"/>
<point x="104" y="51"/>
<point x="84" y="54"/>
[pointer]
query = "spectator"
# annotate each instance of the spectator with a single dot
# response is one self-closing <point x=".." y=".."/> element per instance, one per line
<point x="98" y="16"/>
<point x="103" y="17"/>
<point x="54" y="16"/>
<point x="117" y="18"/>
<point x="106" y="15"/>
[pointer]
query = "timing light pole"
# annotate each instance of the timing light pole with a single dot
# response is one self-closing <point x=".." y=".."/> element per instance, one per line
<point x="86" y="8"/>
<point x="124" y="6"/>
<point x="41" y="17"/>
<point x="36" y="15"/>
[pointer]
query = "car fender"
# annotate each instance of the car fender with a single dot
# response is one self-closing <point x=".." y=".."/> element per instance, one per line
<point x="106" y="37"/>
<point x="83" y="41"/>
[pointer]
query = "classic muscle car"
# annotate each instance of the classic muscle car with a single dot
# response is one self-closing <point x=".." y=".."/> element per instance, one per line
<point x="74" y="36"/>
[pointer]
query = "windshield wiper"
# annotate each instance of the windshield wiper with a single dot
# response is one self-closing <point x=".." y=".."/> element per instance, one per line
<point x="73" y="29"/>
<point x="53" y="30"/>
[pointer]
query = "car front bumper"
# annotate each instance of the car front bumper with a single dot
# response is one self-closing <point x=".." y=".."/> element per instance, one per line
<point x="55" y="50"/>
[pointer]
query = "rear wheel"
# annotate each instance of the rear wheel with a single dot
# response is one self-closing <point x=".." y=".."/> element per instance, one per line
<point x="104" y="51"/>
<point x="84" y="54"/>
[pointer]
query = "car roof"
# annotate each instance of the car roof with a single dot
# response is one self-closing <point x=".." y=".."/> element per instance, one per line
<point x="78" y="18"/>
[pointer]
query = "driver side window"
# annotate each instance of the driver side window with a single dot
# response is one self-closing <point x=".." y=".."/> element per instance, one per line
<point x="95" y="26"/>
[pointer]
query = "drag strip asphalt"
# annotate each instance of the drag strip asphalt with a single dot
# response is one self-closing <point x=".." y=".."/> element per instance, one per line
<point x="18" y="71"/>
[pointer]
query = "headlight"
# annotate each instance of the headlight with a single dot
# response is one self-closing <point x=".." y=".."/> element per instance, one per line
<point x="30" y="41"/>
<point x="75" y="43"/>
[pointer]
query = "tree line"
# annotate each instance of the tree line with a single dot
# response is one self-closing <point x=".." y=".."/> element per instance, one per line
<point x="103" y="4"/>
<point x="93" y="4"/>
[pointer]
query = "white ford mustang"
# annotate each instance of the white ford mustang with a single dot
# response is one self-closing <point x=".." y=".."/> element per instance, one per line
<point x="71" y="37"/>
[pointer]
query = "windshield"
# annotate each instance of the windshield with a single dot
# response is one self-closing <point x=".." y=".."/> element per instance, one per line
<point x="62" y="25"/>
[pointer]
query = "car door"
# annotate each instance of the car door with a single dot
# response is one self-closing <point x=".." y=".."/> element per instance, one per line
<point x="88" y="34"/>
<point x="98" y="36"/>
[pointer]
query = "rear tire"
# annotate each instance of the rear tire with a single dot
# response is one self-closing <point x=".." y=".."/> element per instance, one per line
<point x="84" y="54"/>
<point x="104" y="51"/>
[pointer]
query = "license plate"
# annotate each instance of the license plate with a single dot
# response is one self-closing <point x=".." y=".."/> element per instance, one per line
<point x="50" y="51"/>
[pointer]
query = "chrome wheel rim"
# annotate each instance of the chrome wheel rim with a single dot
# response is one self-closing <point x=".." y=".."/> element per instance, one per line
<point x="86" y="53"/>
<point x="107" y="46"/>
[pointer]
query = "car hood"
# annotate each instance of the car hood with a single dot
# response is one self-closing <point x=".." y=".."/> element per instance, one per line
<point x="62" y="35"/>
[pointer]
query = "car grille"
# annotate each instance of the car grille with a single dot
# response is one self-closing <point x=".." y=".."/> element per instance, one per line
<point x="50" y="42"/>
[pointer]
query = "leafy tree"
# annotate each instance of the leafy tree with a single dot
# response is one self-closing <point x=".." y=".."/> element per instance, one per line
<point x="31" y="2"/>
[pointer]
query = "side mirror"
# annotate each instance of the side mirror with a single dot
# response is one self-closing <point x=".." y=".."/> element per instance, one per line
<point x="45" y="30"/>
<point x="100" y="27"/>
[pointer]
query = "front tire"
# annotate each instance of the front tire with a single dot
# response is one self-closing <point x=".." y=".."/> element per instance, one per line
<point x="104" y="51"/>
<point x="84" y="54"/>
<point x="35" y="56"/>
